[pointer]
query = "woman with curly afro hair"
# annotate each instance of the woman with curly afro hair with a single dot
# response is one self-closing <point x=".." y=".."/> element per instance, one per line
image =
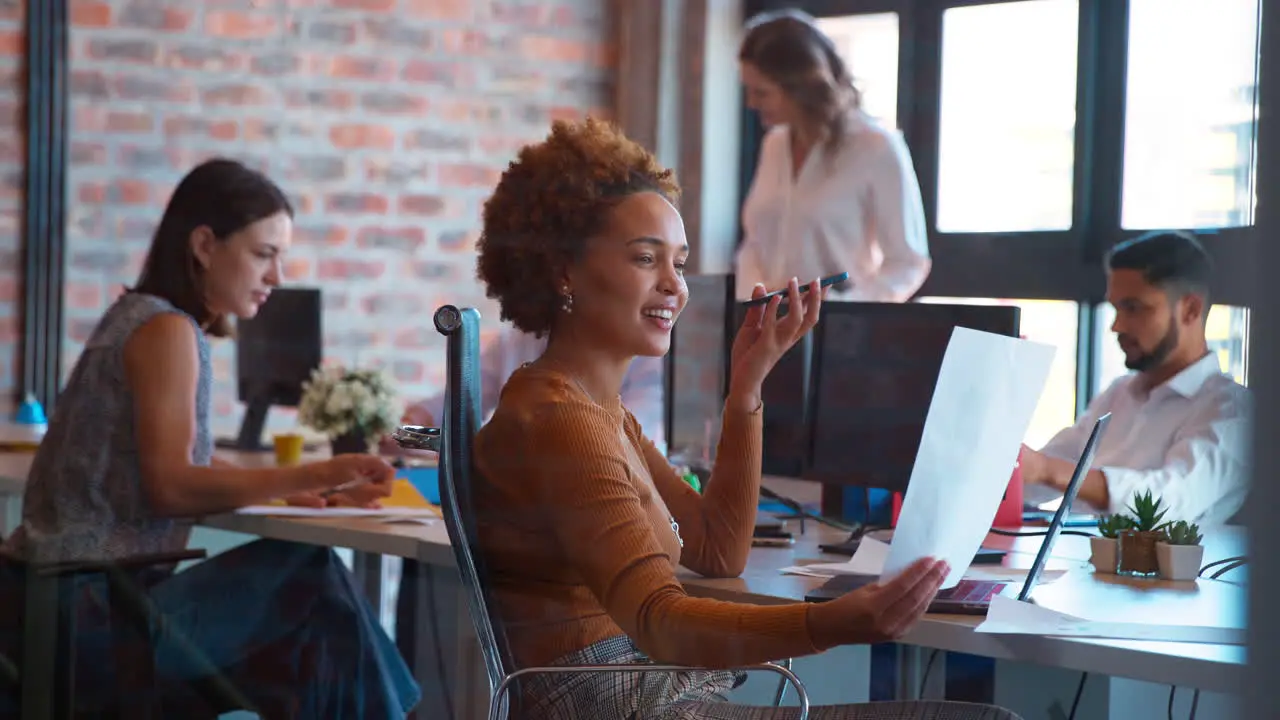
<point x="582" y="521"/>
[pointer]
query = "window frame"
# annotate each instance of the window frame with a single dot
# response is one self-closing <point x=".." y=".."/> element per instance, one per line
<point x="1049" y="265"/>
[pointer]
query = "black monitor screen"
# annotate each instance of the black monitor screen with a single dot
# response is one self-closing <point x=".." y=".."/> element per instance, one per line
<point x="277" y="350"/>
<point x="695" y="370"/>
<point x="875" y="370"/>
<point x="785" y="396"/>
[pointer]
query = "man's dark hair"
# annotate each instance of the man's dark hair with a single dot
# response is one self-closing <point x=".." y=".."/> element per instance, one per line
<point x="1173" y="261"/>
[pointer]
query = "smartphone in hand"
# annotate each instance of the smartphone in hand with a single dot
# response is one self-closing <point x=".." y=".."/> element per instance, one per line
<point x="840" y="278"/>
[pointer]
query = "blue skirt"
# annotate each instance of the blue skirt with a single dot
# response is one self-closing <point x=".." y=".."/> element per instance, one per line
<point x="285" y="624"/>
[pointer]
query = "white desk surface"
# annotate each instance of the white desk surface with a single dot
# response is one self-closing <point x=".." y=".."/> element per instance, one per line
<point x="1214" y="668"/>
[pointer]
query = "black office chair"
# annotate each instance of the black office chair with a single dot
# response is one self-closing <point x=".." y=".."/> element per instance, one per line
<point x="44" y="679"/>
<point x="462" y="419"/>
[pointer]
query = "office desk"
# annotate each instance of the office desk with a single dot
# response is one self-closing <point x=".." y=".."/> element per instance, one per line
<point x="1214" y="668"/>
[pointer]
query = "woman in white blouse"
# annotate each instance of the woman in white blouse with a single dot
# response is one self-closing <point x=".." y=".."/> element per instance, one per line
<point x="834" y="190"/>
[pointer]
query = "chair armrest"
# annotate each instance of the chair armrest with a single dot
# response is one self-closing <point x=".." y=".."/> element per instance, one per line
<point x="133" y="562"/>
<point x="802" y="695"/>
<point x="418" y="437"/>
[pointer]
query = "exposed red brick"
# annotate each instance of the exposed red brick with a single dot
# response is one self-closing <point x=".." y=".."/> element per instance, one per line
<point x="385" y="121"/>
<point x="241" y="25"/>
<point x="86" y="13"/>
<point x="353" y="137"/>
<point x="442" y="9"/>
<point x="335" y="269"/>
<point x="366" y="5"/>
<point x="356" y="203"/>
<point x="362" y="68"/>
<point x="85" y="296"/>
<point x="12" y="43"/>
<point x="430" y="205"/>
<point x="468" y="176"/>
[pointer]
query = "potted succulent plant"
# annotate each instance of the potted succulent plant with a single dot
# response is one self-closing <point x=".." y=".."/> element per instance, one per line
<point x="1136" y="546"/>
<point x="1102" y="549"/>
<point x="1179" y="553"/>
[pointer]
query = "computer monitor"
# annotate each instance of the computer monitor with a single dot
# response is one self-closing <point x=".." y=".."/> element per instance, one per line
<point x="875" y="368"/>
<point x="695" y="371"/>
<point x="276" y="352"/>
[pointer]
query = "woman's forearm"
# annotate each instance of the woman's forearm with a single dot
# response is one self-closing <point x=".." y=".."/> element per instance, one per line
<point x="729" y="503"/>
<point x="194" y="490"/>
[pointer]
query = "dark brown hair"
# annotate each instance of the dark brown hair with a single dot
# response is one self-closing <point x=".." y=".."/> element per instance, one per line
<point x="550" y="201"/>
<point x="1171" y="260"/>
<point x="787" y="47"/>
<point x="223" y="195"/>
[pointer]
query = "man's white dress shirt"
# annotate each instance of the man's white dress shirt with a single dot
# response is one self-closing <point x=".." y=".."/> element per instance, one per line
<point x="1187" y="441"/>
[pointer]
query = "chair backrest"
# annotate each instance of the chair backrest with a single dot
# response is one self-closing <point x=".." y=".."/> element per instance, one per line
<point x="462" y="418"/>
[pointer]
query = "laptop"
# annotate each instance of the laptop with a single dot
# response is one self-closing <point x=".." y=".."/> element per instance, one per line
<point x="973" y="597"/>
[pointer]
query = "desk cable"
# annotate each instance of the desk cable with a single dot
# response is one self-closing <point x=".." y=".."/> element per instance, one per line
<point x="1075" y="702"/>
<point x="798" y="509"/>
<point x="1228" y="564"/>
<point x="1038" y="533"/>
<point x="924" y="679"/>
<point x="1195" y="700"/>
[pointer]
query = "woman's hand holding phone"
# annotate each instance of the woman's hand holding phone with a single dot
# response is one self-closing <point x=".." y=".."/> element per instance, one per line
<point x="764" y="337"/>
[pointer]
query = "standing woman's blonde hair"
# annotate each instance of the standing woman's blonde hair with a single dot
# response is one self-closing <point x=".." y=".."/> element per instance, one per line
<point x="787" y="47"/>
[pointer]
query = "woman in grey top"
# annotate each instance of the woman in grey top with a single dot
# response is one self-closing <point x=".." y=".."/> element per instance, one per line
<point x="127" y="462"/>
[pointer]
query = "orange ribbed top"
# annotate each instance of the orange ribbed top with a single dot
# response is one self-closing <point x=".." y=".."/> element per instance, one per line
<point x="575" y="509"/>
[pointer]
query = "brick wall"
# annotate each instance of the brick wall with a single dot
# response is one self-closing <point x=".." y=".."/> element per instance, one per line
<point x="12" y="152"/>
<point x="388" y="121"/>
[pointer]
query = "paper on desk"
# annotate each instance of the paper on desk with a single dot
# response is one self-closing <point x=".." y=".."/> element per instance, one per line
<point x="871" y="554"/>
<point x="336" y="512"/>
<point x="1007" y="616"/>
<point x="868" y="559"/>
<point x="410" y="520"/>
<point x="982" y="404"/>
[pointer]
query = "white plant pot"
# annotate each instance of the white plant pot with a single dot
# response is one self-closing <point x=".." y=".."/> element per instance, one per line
<point x="1179" y="562"/>
<point x="1103" y="554"/>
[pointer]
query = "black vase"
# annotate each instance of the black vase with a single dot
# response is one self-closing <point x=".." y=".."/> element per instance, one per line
<point x="352" y="442"/>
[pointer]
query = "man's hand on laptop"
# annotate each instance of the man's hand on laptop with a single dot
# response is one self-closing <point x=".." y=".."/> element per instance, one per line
<point x="1040" y="469"/>
<point x="879" y="612"/>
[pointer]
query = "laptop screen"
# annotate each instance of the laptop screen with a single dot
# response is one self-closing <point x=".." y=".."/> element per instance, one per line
<point x="1068" y="497"/>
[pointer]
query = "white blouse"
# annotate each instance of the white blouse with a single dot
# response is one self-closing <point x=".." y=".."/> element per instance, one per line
<point x="858" y="211"/>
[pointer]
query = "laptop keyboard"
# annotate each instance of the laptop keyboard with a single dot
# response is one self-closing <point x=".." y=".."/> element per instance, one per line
<point x="972" y="591"/>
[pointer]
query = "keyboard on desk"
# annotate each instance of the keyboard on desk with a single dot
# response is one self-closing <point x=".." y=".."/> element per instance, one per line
<point x="968" y="597"/>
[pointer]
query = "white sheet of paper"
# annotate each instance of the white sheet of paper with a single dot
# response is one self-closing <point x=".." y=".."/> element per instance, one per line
<point x="410" y="520"/>
<point x="986" y="393"/>
<point x="871" y="554"/>
<point x="868" y="559"/>
<point x="333" y="512"/>
<point x="1007" y="616"/>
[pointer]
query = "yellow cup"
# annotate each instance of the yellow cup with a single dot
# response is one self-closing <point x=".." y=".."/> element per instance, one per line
<point x="288" y="449"/>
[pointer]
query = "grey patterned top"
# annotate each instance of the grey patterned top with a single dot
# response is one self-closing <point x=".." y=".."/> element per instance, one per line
<point x="84" y="498"/>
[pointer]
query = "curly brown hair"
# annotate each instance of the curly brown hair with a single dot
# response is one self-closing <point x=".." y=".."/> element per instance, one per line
<point x="551" y="200"/>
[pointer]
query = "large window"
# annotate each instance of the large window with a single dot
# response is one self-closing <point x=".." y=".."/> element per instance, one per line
<point x="1043" y="132"/>
<point x="1056" y="323"/>
<point x="1007" y="117"/>
<point x="869" y="46"/>
<point x="1226" y="330"/>
<point x="1190" y="110"/>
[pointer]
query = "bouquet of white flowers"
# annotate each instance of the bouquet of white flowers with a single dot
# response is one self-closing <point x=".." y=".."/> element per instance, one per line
<point x="340" y="402"/>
